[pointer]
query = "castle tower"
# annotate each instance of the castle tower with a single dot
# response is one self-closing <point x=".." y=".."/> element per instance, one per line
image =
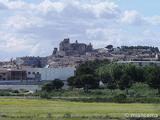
<point x="55" y="51"/>
<point x="89" y="47"/>
<point x="64" y="45"/>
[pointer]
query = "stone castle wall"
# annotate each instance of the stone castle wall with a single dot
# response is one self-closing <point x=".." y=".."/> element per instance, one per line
<point x="66" y="48"/>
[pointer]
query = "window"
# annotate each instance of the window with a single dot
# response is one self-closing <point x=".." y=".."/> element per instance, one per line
<point x="29" y="73"/>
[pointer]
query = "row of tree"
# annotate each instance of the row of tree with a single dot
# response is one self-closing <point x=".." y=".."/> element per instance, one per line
<point x="114" y="76"/>
<point x="123" y="76"/>
<point x="85" y="75"/>
<point x="152" y="49"/>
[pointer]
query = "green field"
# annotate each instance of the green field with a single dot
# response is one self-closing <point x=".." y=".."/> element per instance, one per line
<point x="40" y="109"/>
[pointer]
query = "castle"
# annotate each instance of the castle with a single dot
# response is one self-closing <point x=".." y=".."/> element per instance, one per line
<point x="70" y="49"/>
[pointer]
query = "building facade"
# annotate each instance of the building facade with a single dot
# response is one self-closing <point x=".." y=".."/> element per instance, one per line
<point x="36" y="74"/>
<point x="12" y="74"/>
<point x="43" y="74"/>
<point x="31" y="61"/>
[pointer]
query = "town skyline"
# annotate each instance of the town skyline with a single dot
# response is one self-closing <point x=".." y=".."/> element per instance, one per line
<point x="58" y="48"/>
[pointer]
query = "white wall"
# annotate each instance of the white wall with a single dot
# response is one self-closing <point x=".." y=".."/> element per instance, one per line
<point x="51" y="73"/>
<point x="18" y="87"/>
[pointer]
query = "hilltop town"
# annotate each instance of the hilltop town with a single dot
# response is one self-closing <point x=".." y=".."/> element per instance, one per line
<point x="73" y="54"/>
<point x="68" y="56"/>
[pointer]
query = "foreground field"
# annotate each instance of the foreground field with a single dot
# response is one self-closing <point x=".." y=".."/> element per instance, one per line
<point x="22" y="109"/>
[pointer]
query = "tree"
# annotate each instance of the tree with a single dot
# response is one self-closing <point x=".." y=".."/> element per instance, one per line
<point x="106" y="78"/>
<point x="125" y="82"/>
<point x="112" y="85"/>
<point x="85" y="81"/>
<point x="136" y="73"/>
<point x="71" y="81"/>
<point x="90" y="67"/>
<point x="131" y="70"/>
<point x="140" y="74"/>
<point x="111" y="74"/>
<point x="109" y="47"/>
<point x="113" y="71"/>
<point x="58" y="84"/>
<point x="116" y="71"/>
<point x="48" y="87"/>
<point x="54" y="85"/>
<point x="153" y="77"/>
<point x="78" y="82"/>
<point x="81" y="70"/>
<point x="89" y="82"/>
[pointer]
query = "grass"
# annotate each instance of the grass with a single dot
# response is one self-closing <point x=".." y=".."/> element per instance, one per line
<point x="138" y="93"/>
<point x="137" y="90"/>
<point x="39" y="109"/>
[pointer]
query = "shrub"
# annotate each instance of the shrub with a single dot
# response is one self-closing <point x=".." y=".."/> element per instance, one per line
<point x="45" y="95"/>
<point x="120" y="98"/>
<point x="4" y="93"/>
<point x="54" y="85"/>
<point x="67" y="115"/>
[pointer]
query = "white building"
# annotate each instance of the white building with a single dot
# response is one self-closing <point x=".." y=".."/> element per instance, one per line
<point x="43" y="74"/>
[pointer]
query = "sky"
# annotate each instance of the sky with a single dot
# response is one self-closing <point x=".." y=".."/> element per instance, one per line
<point x="35" y="27"/>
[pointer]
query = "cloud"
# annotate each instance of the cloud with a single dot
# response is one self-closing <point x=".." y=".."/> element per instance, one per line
<point x="155" y="20"/>
<point x="104" y="36"/>
<point x="11" y="43"/>
<point x="18" y="22"/>
<point x="17" y="5"/>
<point x="39" y="27"/>
<point x="2" y="6"/>
<point x="132" y="17"/>
<point x="104" y="9"/>
<point x="47" y="6"/>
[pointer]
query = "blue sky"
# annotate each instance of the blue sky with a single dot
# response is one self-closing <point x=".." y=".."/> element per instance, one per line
<point x="145" y="7"/>
<point x="35" y="27"/>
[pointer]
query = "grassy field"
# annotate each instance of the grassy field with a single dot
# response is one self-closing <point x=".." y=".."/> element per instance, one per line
<point x="40" y="109"/>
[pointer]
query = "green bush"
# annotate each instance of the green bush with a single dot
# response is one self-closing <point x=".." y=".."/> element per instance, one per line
<point x="4" y="93"/>
<point x="45" y="95"/>
<point x="56" y="84"/>
<point x="144" y="100"/>
<point x="142" y="90"/>
<point x="121" y="98"/>
<point x="67" y="115"/>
